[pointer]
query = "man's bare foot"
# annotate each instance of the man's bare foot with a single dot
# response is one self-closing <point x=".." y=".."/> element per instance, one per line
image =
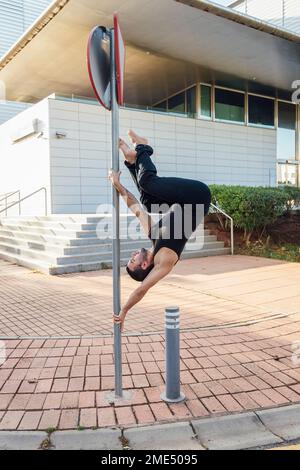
<point x="129" y="154"/>
<point x="136" y="139"/>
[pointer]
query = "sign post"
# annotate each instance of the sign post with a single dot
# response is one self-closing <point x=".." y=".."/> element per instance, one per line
<point x="116" y="224"/>
<point x="106" y="60"/>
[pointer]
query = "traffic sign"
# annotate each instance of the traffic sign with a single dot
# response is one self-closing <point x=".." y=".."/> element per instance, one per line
<point x="99" y="64"/>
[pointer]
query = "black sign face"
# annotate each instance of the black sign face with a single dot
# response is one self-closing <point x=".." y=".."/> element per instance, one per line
<point x="98" y="56"/>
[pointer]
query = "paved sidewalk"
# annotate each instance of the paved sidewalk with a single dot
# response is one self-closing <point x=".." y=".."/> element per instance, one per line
<point x="240" y="318"/>
<point x="253" y="430"/>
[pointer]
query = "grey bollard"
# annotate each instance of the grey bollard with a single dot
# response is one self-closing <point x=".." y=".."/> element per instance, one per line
<point x="172" y="331"/>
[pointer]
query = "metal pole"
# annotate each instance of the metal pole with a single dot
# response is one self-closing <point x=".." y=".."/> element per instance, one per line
<point x="172" y="393"/>
<point x="116" y="223"/>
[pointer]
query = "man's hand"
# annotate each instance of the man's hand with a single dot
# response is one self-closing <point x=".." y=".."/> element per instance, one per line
<point x="120" y="319"/>
<point x="114" y="177"/>
<point x="122" y="143"/>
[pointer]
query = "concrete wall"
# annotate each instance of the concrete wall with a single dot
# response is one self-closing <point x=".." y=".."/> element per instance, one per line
<point x="209" y="151"/>
<point x="80" y="162"/>
<point x="25" y="165"/>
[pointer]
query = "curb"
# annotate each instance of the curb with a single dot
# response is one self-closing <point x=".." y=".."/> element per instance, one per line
<point x="249" y="430"/>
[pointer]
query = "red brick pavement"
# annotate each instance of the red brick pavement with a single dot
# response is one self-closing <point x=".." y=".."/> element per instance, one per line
<point x="236" y="345"/>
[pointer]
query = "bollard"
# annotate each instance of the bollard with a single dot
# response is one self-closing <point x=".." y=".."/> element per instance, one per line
<point x="172" y="331"/>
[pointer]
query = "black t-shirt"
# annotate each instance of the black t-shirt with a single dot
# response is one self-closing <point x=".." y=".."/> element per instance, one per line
<point x="171" y="231"/>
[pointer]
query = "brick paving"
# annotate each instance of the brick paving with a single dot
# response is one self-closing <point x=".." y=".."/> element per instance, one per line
<point x="239" y="317"/>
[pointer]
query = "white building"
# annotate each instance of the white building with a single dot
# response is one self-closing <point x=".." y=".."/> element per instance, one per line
<point x="15" y="18"/>
<point x="211" y="88"/>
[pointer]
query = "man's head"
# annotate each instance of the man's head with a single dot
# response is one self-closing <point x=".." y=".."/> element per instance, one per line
<point x="140" y="264"/>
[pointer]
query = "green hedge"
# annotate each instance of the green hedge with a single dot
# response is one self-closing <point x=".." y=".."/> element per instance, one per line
<point x="253" y="208"/>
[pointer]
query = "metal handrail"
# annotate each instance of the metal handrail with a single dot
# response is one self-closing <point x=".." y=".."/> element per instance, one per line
<point x="8" y="195"/>
<point x="25" y="198"/>
<point x="5" y="195"/>
<point x="231" y="226"/>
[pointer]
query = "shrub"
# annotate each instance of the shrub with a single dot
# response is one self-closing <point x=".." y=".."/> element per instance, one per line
<point x="252" y="208"/>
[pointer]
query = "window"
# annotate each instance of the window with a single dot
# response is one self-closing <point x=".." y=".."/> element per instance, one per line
<point x="205" y="101"/>
<point x="261" y="111"/>
<point x="176" y="104"/>
<point x="160" y="106"/>
<point x="230" y="106"/>
<point x="191" y="102"/>
<point x="287" y="174"/>
<point x="286" y="133"/>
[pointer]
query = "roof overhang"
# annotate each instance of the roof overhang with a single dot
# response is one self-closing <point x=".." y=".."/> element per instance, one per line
<point x="171" y="44"/>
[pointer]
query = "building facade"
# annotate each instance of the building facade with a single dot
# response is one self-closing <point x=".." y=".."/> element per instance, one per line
<point x="211" y="114"/>
<point x="71" y="155"/>
<point x="16" y="16"/>
<point x="218" y="104"/>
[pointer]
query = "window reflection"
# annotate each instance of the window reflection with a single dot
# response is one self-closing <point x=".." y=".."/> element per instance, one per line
<point x="287" y="174"/>
<point x="261" y="111"/>
<point x="230" y="106"/>
<point x="206" y="101"/>
<point x="286" y="133"/>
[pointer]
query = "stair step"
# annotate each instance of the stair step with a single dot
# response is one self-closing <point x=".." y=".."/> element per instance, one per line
<point x="26" y="262"/>
<point x="61" y="258"/>
<point x="84" y="267"/>
<point x="72" y="218"/>
<point x="73" y="243"/>
<point x="87" y="244"/>
<point x="107" y="264"/>
<point x="72" y="234"/>
<point x="106" y="225"/>
<point x="61" y="250"/>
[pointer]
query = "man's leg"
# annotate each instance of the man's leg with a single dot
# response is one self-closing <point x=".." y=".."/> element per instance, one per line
<point x="130" y="162"/>
<point x="172" y="190"/>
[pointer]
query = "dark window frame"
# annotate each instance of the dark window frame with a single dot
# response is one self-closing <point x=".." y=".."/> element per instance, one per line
<point x="232" y="92"/>
<point x="260" y="97"/>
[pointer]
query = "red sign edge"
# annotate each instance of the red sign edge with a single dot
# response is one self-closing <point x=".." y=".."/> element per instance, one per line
<point x="120" y="86"/>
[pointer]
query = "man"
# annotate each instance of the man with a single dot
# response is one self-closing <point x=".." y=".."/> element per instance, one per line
<point x="179" y="199"/>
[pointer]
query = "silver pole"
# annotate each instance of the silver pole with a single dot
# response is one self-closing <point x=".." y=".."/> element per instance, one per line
<point x="116" y="223"/>
<point x="172" y="393"/>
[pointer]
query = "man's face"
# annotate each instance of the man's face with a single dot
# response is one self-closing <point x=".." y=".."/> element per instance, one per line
<point x="138" y="258"/>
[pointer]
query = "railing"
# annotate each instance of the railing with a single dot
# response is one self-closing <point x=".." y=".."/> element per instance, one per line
<point x="281" y="13"/>
<point x="24" y="199"/>
<point x="6" y="197"/>
<point x="231" y="225"/>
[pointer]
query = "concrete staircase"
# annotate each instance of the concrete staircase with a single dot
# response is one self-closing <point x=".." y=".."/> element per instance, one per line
<point x="72" y="243"/>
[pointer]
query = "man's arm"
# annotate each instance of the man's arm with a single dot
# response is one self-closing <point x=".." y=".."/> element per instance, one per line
<point x="158" y="272"/>
<point x="131" y="202"/>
